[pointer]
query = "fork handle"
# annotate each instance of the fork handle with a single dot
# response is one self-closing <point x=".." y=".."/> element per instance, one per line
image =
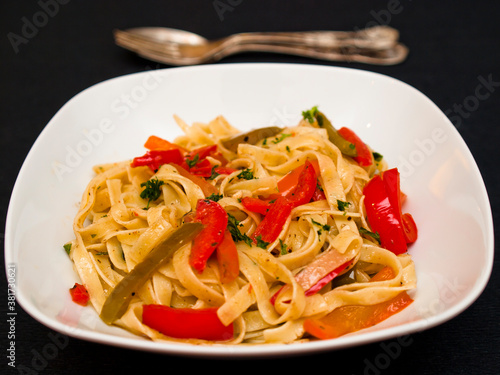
<point x="389" y="56"/>
<point x="376" y="38"/>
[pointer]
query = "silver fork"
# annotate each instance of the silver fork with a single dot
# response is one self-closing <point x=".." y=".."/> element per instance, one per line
<point x="377" y="45"/>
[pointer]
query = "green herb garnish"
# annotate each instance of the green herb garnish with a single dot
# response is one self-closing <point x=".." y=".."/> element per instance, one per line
<point x="215" y="197"/>
<point x="233" y="227"/>
<point x="342" y="205"/>
<point x="366" y="232"/>
<point x="260" y="243"/>
<point x="192" y="162"/>
<point x="281" y="137"/>
<point x="67" y="247"/>
<point x="247" y="174"/>
<point x="283" y="247"/>
<point x="310" y="115"/>
<point x="152" y="190"/>
<point x="214" y="173"/>
<point x="322" y="226"/>
<point x="377" y="157"/>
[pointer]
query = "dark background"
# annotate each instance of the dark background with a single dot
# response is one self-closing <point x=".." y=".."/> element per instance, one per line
<point x="452" y="44"/>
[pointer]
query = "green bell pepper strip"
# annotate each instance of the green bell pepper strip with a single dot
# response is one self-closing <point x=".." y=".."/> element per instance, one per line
<point x="250" y="137"/>
<point x="344" y="145"/>
<point x="117" y="302"/>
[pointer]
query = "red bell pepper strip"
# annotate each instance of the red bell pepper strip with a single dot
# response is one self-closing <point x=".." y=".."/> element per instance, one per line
<point x="322" y="270"/>
<point x="271" y="226"/>
<point x="196" y="161"/>
<point x="306" y="186"/>
<point x="299" y="188"/>
<point x="319" y="194"/>
<point x="351" y="318"/>
<point x="207" y="188"/>
<point x="289" y="182"/>
<point x="186" y="323"/>
<point x="227" y="257"/>
<point x="386" y="273"/>
<point x="392" y="186"/>
<point x="155" y="158"/>
<point x="364" y="155"/>
<point x="156" y="143"/>
<point x="224" y="170"/>
<point x="383" y="217"/>
<point x="214" y="218"/>
<point x="308" y="276"/>
<point x="325" y="280"/>
<point x="396" y="197"/>
<point x="79" y="294"/>
<point x="202" y="152"/>
<point x="202" y="168"/>
<point x="256" y="205"/>
<point x="410" y="228"/>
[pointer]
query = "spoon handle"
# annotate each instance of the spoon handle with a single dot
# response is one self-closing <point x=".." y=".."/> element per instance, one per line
<point x="377" y="37"/>
<point x="388" y="56"/>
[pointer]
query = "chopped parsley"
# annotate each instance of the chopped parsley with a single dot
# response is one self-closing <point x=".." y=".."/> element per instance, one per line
<point x="214" y="173"/>
<point x="215" y="197"/>
<point x="377" y="157"/>
<point x="323" y="227"/>
<point x="281" y="138"/>
<point x="247" y="174"/>
<point x="151" y="190"/>
<point x="310" y="115"/>
<point x="260" y="243"/>
<point x="233" y="227"/>
<point x="67" y="247"/>
<point x="283" y="247"/>
<point x="366" y="232"/>
<point x="342" y="205"/>
<point x="192" y="162"/>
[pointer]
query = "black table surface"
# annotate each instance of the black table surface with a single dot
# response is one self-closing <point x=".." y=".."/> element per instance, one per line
<point x="454" y="46"/>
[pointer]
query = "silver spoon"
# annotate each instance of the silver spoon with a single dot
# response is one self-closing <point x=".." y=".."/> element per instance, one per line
<point x="377" y="45"/>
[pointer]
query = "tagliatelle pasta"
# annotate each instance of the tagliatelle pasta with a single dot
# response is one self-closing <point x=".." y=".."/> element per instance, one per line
<point x="323" y="256"/>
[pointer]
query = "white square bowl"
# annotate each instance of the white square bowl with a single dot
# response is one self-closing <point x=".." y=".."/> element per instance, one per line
<point x="111" y="120"/>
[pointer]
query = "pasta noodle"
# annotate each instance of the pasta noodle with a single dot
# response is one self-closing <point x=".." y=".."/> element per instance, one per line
<point x="116" y="227"/>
